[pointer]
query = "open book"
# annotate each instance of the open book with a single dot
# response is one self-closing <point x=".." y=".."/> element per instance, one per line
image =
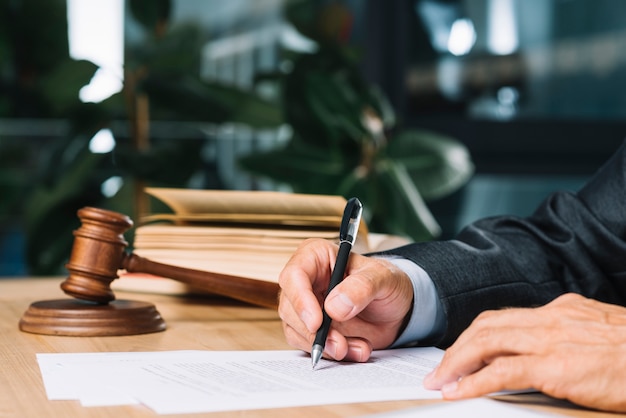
<point x="249" y="234"/>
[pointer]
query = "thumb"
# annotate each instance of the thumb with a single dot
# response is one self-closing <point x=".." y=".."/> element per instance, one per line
<point x="348" y="298"/>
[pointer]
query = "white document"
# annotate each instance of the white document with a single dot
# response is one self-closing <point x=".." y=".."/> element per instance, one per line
<point x="174" y="382"/>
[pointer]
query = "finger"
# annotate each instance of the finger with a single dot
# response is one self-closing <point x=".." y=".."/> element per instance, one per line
<point x="504" y="373"/>
<point x="336" y="346"/>
<point x="295" y="330"/>
<point x="485" y="344"/>
<point x="348" y="299"/>
<point x="301" y="282"/>
<point x="557" y="375"/>
<point x="339" y="347"/>
<point x="297" y="301"/>
<point x="371" y="280"/>
<point x="296" y="339"/>
<point x="359" y="350"/>
<point x="525" y="331"/>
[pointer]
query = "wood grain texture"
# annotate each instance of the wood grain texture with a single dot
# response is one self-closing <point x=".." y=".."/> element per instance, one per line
<point x="194" y="323"/>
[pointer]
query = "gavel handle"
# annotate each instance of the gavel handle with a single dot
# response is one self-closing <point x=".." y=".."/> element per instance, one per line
<point x="256" y="292"/>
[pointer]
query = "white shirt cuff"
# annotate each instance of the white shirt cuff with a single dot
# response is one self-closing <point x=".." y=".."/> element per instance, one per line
<point x="427" y="318"/>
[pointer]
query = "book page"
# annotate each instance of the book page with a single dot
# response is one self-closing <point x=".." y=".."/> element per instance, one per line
<point x="193" y="205"/>
<point x="193" y="201"/>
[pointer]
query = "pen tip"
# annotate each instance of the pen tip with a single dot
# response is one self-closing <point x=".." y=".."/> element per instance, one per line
<point x="316" y="354"/>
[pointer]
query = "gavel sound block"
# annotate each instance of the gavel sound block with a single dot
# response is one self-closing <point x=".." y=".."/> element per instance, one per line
<point x="99" y="251"/>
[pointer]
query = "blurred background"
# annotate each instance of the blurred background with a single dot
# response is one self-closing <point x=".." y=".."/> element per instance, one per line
<point x="437" y="112"/>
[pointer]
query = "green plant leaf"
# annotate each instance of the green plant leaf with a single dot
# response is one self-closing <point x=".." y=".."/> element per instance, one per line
<point x="437" y="164"/>
<point x="150" y="13"/>
<point x="51" y="213"/>
<point x="337" y="108"/>
<point x="403" y="210"/>
<point x="307" y="169"/>
<point x="190" y="98"/>
<point x="14" y="178"/>
<point x="176" y="53"/>
<point x="38" y="33"/>
<point x="383" y="107"/>
<point x="324" y="98"/>
<point x="302" y="15"/>
<point x="325" y="22"/>
<point x="61" y="86"/>
<point x="366" y="188"/>
<point x="169" y="163"/>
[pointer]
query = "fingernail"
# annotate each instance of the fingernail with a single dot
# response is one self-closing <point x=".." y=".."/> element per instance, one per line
<point x="429" y="378"/>
<point x="342" y="305"/>
<point x="331" y="348"/>
<point x="355" y="352"/>
<point x="306" y="317"/>
<point x="450" y="390"/>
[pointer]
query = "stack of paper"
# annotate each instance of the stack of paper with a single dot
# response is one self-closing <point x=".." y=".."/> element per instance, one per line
<point x="248" y="234"/>
<point x="176" y="382"/>
<point x="253" y="252"/>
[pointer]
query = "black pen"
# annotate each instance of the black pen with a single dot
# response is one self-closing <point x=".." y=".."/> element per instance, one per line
<point x="347" y="237"/>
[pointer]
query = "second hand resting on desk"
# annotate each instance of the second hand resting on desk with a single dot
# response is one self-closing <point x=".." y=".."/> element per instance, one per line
<point x="347" y="237"/>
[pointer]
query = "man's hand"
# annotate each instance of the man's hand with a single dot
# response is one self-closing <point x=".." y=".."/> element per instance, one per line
<point x="367" y="308"/>
<point x="572" y="348"/>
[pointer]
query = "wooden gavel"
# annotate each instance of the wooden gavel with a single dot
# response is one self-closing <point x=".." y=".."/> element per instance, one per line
<point x="99" y="251"/>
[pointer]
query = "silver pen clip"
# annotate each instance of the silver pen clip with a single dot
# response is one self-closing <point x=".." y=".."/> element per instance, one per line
<point x="350" y="221"/>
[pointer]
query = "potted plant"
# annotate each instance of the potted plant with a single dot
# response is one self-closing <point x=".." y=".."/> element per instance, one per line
<point x="345" y="139"/>
<point x="161" y="81"/>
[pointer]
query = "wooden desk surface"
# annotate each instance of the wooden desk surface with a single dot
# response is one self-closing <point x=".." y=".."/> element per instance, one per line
<point x="194" y="323"/>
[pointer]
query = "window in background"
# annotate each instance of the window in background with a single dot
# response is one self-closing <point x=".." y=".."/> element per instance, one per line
<point x="534" y="99"/>
<point x="95" y="33"/>
<point x="243" y="38"/>
<point x="533" y="90"/>
<point x="565" y="58"/>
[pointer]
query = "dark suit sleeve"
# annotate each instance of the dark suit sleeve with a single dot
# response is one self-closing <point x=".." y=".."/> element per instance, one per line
<point x="572" y="243"/>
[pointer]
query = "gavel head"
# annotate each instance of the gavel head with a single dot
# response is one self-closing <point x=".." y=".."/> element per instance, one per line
<point x="97" y="254"/>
